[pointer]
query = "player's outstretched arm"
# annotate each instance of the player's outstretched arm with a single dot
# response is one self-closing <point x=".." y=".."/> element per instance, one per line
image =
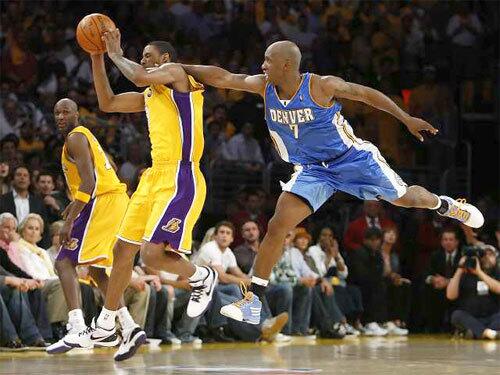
<point x="335" y="87"/>
<point x="221" y="78"/>
<point x="127" y="102"/>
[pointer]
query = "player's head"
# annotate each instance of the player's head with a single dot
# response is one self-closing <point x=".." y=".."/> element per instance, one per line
<point x="66" y="114"/>
<point x="157" y="53"/>
<point x="280" y="59"/>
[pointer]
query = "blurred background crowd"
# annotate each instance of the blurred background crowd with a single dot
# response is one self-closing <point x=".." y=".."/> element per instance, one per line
<point x="436" y="59"/>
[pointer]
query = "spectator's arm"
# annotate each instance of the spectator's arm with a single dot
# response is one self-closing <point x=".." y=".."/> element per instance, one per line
<point x="493" y="284"/>
<point x="227" y="278"/>
<point x="221" y="78"/>
<point x="452" y="290"/>
<point x="236" y="271"/>
<point x="128" y="102"/>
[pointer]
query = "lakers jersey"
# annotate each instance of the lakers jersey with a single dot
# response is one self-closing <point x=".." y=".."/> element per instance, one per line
<point x="106" y="180"/>
<point x="175" y="122"/>
<point x="304" y="131"/>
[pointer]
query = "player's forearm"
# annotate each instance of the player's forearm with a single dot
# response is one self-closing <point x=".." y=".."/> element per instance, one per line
<point x="208" y="74"/>
<point x="101" y="83"/>
<point x="131" y="70"/>
<point x="381" y="101"/>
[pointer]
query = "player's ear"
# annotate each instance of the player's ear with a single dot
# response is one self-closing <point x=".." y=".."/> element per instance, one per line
<point x="165" y="58"/>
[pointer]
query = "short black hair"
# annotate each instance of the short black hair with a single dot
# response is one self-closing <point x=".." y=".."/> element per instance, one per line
<point x="19" y="167"/>
<point x="45" y="173"/>
<point x="372" y="233"/>
<point x="165" y="47"/>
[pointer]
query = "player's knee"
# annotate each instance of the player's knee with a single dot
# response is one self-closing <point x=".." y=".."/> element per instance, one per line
<point x="62" y="266"/>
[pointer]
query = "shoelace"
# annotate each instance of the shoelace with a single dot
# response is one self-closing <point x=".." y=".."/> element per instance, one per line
<point x="196" y="292"/>
<point x="247" y="296"/>
<point x="457" y="211"/>
<point x="86" y="331"/>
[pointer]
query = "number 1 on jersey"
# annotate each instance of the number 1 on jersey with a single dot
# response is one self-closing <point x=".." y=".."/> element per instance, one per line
<point x="295" y="129"/>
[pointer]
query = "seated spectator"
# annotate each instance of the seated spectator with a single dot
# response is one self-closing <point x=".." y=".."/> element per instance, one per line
<point x="20" y="202"/>
<point x="134" y="161"/>
<point x="137" y="296"/>
<point x="475" y="287"/>
<point x="54" y="230"/>
<point x="9" y="151"/>
<point x="219" y="117"/>
<point x="398" y="288"/>
<point x="55" y="201"/>
<point x="366" y="271"/>
<point x="17" y="325"/>
<point x="246" y="252"/>
<point x="442" y="266"/>
<point x="219" y="256"/>
<point x="244" y="148"/>
<point x="325" y="259"/>
<point x="252" y="211"/>
<point x="372" y="218"/>
<point x="28" y="142"/>
<point x="325" y="313"/>
<point x="4" y="176"/>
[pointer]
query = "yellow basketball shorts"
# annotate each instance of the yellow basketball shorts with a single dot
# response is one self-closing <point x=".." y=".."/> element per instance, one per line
<point x="166" y="206"/>
<point x="94" y="231"/>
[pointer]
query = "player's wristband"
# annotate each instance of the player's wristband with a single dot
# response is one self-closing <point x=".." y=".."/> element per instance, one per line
<point x="81" y="196"/>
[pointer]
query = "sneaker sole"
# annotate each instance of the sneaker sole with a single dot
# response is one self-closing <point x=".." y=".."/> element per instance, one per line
<point x="138" y="340"/>
<point x="59" y="349"/>
<point x="237" y="318"/>
<point x="210" y="294"/>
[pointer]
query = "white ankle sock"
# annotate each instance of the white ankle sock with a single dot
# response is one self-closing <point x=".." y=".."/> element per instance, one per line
<point x="259" y="281"/>
<point x="199" y="274"/>
<point x="106" y="319"/>
<point x="125" y="319"/>
<point x="75" y="319"/>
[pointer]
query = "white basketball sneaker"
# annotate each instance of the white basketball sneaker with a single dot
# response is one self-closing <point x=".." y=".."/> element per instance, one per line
<point x="92" y="336"/>
<point x="60" y="347"/>
<point x="462" y="211"/>
<point x="132" y="339"/>
<point x="201" y="293"/>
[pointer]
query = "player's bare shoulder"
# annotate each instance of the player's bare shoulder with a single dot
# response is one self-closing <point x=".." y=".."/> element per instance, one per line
<point x="322" y="88"/>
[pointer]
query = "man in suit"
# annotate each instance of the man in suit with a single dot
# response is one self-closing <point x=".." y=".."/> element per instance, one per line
<point x="443" y="264"/>
<point x="372" y="218"/>
<point x="20" y="202"/>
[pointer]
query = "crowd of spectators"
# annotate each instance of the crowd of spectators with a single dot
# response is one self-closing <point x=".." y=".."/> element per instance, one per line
<point x="377" y="270"/>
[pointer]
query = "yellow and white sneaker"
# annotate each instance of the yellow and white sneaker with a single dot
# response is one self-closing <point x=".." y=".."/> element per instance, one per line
<point x="462" y="211"/>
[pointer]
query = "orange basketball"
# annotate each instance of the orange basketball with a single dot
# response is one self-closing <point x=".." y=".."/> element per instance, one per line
<point x="90" y="30"/>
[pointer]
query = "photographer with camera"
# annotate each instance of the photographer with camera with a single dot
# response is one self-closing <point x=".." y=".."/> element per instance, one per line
<point x="476" y="288"/>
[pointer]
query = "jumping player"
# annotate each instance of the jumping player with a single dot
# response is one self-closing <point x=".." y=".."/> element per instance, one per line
<point x="170" y="196"/>
<point x="308" y="130"/>
<point x="89" y="231"/>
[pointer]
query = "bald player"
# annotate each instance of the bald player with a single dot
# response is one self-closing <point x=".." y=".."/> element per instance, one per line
<point x="306" y="125"/>
<point x="92" y="219"/>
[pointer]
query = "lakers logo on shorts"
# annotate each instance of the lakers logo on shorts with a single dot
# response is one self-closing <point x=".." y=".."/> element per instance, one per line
<point x="72" y="244"/>
<point x="172" y="226"/>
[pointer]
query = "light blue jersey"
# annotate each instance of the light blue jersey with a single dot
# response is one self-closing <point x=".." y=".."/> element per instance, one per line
<point x="326" y="153"/>
<point x="303" y="131"/>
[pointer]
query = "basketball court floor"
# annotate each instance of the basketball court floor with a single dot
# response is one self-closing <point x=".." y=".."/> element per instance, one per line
<point x="414" y="355"/>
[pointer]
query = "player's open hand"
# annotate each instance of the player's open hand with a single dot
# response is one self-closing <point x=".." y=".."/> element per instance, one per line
<point x="112" y="39"/>
<point x="416" y="126"/>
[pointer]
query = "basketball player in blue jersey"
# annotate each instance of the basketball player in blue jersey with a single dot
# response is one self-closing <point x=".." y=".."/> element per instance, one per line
<point x="308" y="130"/>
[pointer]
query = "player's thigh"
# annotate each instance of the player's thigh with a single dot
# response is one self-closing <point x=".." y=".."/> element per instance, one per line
<point x="367" y="175"/>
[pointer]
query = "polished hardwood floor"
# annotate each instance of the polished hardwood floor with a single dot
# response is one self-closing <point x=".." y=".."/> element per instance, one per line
<point x="406" y="356"/>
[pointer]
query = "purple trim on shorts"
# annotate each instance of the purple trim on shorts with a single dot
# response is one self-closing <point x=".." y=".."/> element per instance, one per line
<point x="183" y="101"/>
<point x="177" y="209"/>
<point x="77" y="234"/>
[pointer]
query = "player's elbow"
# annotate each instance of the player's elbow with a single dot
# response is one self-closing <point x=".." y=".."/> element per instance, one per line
<point x="105" y="106"/>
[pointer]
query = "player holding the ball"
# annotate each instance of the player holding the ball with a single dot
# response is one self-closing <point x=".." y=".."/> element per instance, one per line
<point x="170" y="196"/>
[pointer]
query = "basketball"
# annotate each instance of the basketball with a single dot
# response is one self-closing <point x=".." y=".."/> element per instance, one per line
<point x="90" y="30"/>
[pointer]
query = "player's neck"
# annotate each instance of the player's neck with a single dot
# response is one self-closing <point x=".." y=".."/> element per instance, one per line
<point x="289" y="86"/>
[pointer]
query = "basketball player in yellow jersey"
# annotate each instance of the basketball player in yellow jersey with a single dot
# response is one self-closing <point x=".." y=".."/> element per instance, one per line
<point x="170" y="196"/>
<point x="88" y="234"/>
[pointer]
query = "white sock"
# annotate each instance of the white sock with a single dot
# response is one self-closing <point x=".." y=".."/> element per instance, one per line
<point x="106" y="319"/>
<point x="199" y="274"/>
<point x="75" y="319"/>
<point x="259" y="281"/>
<point x="125" y="319"/>
<point x="438" y="204"/>
<point x="490" y="334"/>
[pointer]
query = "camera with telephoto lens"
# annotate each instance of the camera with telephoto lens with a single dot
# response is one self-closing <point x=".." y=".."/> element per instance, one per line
<point x="472" y="255"/>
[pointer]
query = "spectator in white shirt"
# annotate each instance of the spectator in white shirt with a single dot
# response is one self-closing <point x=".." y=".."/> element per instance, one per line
<point x="219" y="256"/>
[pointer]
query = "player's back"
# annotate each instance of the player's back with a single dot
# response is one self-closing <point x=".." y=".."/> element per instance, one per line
<point x="106" y="180"/>
<point x="304" y="131"/>
<point x="175" y="122"/>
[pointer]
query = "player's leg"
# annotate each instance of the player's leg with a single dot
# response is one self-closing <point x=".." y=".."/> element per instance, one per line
<point x="290" y="211"/>
<point x="419" y="197"/>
